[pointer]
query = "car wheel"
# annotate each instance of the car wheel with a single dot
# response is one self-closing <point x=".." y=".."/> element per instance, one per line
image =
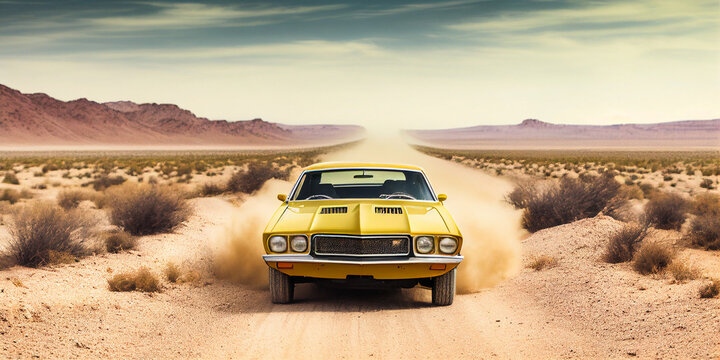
<point x="282" y="287"/>
<point x="443" y="289"/>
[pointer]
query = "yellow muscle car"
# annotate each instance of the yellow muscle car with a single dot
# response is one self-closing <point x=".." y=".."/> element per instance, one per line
<point x="360" y="225"/>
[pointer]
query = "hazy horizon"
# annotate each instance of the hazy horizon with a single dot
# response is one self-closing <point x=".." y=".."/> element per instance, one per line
<point x="409" y="64"/>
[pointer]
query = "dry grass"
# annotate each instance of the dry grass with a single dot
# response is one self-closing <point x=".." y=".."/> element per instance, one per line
<point x="569" y="200"/>
<point x="542" y="262"/>
<point x="43" y="234"/>
<point x="624" y="243"/>
<point x="119" y="241"/>
<point x="682" y="272"/>
<point x="71" y="198"/>
<point x="15" y="281"/>
<point x="710" y="290"/>
<point x="211" y="189"/>
<point x="666" y="211"/>
<point x="12" y="196"/>
<point x="254" y="177"/>
<point x="653" y="258"/>
<point x="10" y="178"/>
<point x="141" y="280"/>
<point x="705" y="226"/>
<point x="105" y="181"/>
<point x="172" y="272"/>
<point x="147" y="209"/>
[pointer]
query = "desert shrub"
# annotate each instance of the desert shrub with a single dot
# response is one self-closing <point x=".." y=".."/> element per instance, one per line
<point x="652" y="258"/>
<point x="710" y="290"/>
<point x="140" y="280"/>
<point x="682" y="272"/>
<point x="254" y="177"/>
<point x="666" y="211"/>
<point x="705" y="232"/>
<point x="706" y="204"/>
<point x="119" y="241"/>
<point x="42" y="234"/>
<point x="172" y="272"/>
<point x="542" y="262"/>
<point x="10" y="195"/>
<point x="105" y="181"/>
<point x="521" y="194"/>
<point x="147" y="209"/>
<point x="70" y="199"/>
<point x="624" y="243"/>
<point x="648" y="190"/>
<point x="707" y="184"/>
<point x="211" y="189"/>
<point x="11" y="178"/>
<point x="570" y="200"/>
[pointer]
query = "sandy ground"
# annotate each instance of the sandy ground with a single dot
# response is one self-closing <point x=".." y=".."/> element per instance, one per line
<point x="581" y="308"/>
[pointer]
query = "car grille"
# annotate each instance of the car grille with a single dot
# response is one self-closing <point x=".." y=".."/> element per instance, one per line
<point x="346" y="245"/>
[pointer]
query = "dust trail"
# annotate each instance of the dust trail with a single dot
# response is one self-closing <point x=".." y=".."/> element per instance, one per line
<point x="240" y="249"/>
<point x="490" y="227"/>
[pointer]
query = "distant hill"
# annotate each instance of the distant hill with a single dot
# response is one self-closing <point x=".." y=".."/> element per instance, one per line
<point x="40" y="120"/>
<point x="532" y="133"/>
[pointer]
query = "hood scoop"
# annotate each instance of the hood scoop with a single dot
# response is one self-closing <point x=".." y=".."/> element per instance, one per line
<point x="388" y="210"/>
<point x="334" y="210"/>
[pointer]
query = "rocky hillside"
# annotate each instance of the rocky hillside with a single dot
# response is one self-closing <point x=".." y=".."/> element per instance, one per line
<point x="38" y="119"/>
<point x="535" y="133"/>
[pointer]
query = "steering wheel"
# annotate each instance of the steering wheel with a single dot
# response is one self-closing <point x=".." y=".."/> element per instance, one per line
<point x="318" y="197"/>
<point x="398" y="195"/>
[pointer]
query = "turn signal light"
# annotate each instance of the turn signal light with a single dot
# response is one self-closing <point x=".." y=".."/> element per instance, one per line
<point x="284" y="265"/>
<point x="437" y="267"/>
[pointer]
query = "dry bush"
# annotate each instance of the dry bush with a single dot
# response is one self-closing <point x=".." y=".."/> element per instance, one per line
<point x="172" y="272"/>
<point x="43" y="234"/>
<point x="666" y="211"/>
<point x="652" y="258"/>
<point x="254" y="177"/>
<point x="119" y="241"/>
<point x="147" y="209"/>
<point x="521" y="194"/>
<point x="11" y="178"/>
<point x="624" y="243"/>
<point x="682" y="272"/>
<point x="211" y="189"/>
<point x="710" y="290"/>
<point x="141" y="280"/>
<point x="705" y="232"/>
<point x="570" y="200"/>
<point x="542" y="262"/>
<point x="12" y="196"/>
<point x="105" y="181"/>
<point x="70" y="199"/>
<point x="706" y="204"/>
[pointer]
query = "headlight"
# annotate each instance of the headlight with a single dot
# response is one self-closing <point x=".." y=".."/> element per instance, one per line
<point x="299" y="243"/>
<point x="448" y="245"/>
<point x="277" y="244"/>
<point x="424" y="244"/>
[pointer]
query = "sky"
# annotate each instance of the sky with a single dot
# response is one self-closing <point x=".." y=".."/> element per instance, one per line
<point x="382" y="64"/>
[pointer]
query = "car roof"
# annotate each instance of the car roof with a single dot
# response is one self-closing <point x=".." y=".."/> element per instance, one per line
<point x="360" y="165"/>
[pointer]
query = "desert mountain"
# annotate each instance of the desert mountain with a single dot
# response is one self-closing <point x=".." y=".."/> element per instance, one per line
<point x="38" y="119"/>
<point x="532" y="133"/>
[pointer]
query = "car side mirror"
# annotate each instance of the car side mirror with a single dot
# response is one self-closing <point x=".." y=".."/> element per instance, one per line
<point x="442" y="197"/>
<point x="282" y="197"/>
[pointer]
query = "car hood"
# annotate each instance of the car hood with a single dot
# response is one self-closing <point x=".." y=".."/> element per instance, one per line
<point x="365" y="218"/>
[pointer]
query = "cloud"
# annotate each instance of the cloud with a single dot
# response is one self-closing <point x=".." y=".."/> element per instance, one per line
<point x="418" y="7"/>
<point x="187" y="15"/>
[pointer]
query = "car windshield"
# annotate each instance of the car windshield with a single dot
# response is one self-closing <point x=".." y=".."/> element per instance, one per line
<point x="363" y="184"/>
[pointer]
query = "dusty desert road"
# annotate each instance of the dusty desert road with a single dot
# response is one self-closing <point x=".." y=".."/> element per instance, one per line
<point x="581" y="308"/>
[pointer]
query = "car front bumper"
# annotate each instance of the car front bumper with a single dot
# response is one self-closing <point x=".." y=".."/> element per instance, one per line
<point x="413" y="267"/>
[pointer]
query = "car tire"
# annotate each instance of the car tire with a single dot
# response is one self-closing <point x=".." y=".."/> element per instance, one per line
<point x="443" y="289"/>
<point x="282" y="288"/>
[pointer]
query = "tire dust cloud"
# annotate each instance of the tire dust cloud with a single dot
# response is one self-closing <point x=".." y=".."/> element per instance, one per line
<point x="490" y="227"/>
<point x="239" y="244"/>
